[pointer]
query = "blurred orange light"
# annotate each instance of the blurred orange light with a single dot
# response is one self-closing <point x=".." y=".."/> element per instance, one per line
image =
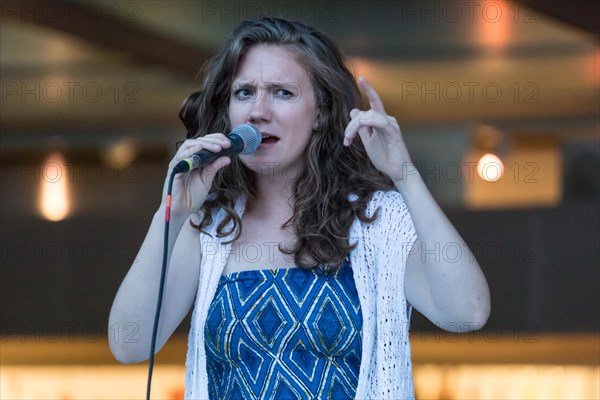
<point x="362" y="67"/>
<point x="490" y="168"/>
<point x="54" y="199"/>
<point x="496" y="19"/>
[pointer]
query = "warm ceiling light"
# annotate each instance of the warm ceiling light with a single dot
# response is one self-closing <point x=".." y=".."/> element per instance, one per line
<point x="121" y="153"/>
<point x="490" y="168"/>
<point x="496" y="22"/>
<point x="54" y="198"/>
<point x="363" y="67"/>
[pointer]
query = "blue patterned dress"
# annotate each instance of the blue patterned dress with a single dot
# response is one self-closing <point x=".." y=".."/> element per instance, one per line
<point x="284" y="334"/>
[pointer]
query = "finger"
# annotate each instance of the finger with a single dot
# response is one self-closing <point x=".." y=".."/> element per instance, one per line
<point x="218" y="137"/>
<point x="216" y="165"/>
<point x="376" y="120"/>
<point x="213" y="138"/>
<point x="364" y="125"/>
<point x="357" y="115"/>
<point x="355" y="125"/>
<point x="372" y="95"/>
<point x="196" y="148"/>
<point x="213" y="144"/>
<point x="349" y="136"/>
<point x="202" y="145"/>
<point x="210" y="170"/>
<point x="221" y="162"/>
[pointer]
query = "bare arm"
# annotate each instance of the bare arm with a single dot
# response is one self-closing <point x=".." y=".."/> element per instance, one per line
<point x="133" y="310"/>
<point x="451" y="291"/>
<point x="132" y="313"/>
<point x="443" y="279"/>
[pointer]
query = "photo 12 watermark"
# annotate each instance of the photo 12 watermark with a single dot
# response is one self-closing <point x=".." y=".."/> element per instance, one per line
<point x="469" y="92"/>
<point x="464" y="12"/>
<point x="68" y="171"/>
<point x="69" y="92"/>
<point x="68" y="331"/>
<point x="313" y="12"/>
<point x="470" y="332"/>
<point x="56" y="253"/>
<point x="70" y="12"/>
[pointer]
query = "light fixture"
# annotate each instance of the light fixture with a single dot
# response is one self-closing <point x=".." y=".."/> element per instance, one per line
<point x="488" y="147"/>
<point x="54" y="196"/>
<point x="490" y="168"/>
<point x="120" y="153"/>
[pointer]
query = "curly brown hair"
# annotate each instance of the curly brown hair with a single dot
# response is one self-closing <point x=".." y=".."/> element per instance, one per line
<point x="322" y="209"/>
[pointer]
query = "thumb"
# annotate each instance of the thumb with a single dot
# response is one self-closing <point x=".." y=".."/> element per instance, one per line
<point x="209" y="172"/>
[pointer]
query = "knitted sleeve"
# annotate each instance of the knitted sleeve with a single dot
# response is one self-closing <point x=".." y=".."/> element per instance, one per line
<point x="392" y="235"/>
<point x="389" y="240"/>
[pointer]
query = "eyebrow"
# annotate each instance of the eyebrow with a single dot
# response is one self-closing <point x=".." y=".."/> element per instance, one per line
<point x="268" y="84"/>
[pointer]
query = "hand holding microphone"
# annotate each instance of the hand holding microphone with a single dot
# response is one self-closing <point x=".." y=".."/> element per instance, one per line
<point x="190" y="190"/>
<point x="245" y="139"/>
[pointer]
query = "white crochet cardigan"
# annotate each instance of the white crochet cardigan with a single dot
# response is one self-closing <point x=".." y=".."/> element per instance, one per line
<point x="378" y="264"/>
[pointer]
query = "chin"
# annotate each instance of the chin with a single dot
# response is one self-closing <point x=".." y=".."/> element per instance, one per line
<point x="258" y="164"/>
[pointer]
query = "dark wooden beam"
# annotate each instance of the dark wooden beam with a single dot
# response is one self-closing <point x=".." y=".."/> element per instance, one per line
<point x="110" y="30"/>
<point x="583" y="14"/>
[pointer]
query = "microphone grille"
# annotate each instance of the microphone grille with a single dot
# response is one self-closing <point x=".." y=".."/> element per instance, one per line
<point x="250" y="136"/>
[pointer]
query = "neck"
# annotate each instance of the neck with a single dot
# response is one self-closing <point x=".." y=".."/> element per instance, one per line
<point x="274" y="195"/>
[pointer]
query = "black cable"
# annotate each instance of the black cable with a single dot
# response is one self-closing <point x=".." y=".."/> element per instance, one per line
<point x="163" y="273"/>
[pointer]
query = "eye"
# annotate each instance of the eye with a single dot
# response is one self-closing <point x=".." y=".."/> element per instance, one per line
<point x="243" y="94"/>
<point x="283" y="93"/>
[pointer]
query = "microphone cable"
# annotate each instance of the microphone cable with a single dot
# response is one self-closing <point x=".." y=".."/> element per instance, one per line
<point x="246" y="135"/>
<point x="163" y="274"/>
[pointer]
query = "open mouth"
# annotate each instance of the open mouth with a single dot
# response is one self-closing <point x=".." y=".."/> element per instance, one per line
<point x="268" y="138"/>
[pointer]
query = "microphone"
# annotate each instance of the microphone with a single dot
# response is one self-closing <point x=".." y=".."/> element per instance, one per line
<point x="244" y="138"/>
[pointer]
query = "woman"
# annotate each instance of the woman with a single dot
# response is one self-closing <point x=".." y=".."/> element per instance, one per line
<point x="305" y="257"/>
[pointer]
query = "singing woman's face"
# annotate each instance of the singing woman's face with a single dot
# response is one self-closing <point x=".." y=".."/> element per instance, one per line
<point x="274" y="92"/>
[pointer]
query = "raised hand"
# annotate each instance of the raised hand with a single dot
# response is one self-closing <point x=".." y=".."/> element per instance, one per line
<point x="380" y="134"/>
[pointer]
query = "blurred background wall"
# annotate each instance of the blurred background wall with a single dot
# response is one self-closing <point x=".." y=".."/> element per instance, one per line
<point x="90" y="92"/>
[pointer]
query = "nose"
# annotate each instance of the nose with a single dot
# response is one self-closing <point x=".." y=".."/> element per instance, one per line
<point x="260" y="111"/>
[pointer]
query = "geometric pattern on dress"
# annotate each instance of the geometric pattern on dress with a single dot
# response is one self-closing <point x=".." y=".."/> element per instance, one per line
<point x="284" y="334"/>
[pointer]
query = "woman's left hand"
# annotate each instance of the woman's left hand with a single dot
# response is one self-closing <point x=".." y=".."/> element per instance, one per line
<point x="380" y="134"/>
